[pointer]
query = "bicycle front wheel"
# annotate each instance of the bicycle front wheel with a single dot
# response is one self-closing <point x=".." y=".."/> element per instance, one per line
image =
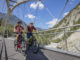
<point x="35" y="47"/>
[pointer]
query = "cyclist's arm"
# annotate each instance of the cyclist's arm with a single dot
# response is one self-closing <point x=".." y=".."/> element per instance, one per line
<point x="35" y="29"/>
<point x="26" y="30"/>
<point x="15" y="28"/>
<point x="22" y="28"/>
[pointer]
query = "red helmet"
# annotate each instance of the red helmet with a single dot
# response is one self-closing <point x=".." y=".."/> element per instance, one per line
<point x="19" y="22"/>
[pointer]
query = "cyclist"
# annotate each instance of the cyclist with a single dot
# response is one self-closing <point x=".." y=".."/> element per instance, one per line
<point x="18" y="29"/>
<point x="29" y="30"/>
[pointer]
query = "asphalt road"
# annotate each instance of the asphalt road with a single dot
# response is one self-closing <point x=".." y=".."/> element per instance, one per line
<point x="13" y="55"/>
<point x="41" y="55"/>
<point x="0" y="41"/>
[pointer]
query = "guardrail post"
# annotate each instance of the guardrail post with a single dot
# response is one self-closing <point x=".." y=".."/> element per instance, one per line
<point x="65" y="40"/>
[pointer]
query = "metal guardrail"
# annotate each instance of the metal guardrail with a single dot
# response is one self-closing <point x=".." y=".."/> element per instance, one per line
<point x="62" y="51"/>
<point x="41" y="33"/>
<point x="62" y="32"/>
<point x="60" y="28"/>
<point x="57" y="33"/>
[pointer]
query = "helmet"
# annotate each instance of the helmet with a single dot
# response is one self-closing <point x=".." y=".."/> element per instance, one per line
<point x="31" y="23"/>
<point x="19" y="22"/>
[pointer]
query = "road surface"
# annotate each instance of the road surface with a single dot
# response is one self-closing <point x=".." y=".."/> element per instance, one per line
<point x="41" y="55"/>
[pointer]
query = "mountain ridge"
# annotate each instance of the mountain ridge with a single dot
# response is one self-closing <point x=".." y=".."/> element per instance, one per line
<point x="67" y="15"/>
<point x="13" y="19"/>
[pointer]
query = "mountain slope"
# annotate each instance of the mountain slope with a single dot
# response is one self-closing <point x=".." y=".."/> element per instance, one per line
<point x="13" y="19"/>
<point x="12" y="22"/>
<point x="72" y="18"/>
<point x="39" y="29"/>
<point x="72" y="38"/>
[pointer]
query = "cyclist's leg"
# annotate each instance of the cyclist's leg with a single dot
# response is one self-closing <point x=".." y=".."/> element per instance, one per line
<point x="28" y="38"/>
<point x="17" y="37"/>
<point x="31" y="39"/>
<point x="21" y="40"/>
<point x="27" y="42"/>
<point x="16" y="42"/>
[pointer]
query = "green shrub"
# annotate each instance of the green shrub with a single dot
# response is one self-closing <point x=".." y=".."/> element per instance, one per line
<point x="57" y="40"/>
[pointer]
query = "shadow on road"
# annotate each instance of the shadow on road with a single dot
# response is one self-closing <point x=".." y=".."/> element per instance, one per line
<point x="39" y="56"/>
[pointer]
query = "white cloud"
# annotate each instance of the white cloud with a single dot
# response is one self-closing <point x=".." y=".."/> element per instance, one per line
<point x="66" y="13"/>
<point x="30" y="16"/>
<point x="38" y="4"/>
<point x="52" y="22"/>
<point x="33" y="5"/>
<point x="41" y="6"/>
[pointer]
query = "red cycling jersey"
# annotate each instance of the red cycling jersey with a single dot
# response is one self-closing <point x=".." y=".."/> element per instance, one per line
<point x="19" y="29"/>
<point x="30" y="29"/>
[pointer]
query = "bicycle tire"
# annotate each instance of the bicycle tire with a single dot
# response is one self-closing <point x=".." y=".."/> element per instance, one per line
<point x="35" y="47"/>
<point x="16" y="45"/>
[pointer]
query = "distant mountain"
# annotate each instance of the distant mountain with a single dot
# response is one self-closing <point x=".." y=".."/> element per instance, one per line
<point x="40" y="29"/>
<point x="13" y="19"/>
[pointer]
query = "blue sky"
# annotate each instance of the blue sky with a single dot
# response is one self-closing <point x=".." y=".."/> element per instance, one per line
<point x="44" y="14"/>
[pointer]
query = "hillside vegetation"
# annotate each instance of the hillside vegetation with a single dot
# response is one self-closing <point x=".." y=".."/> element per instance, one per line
<point x="10" y="29"/>
<point x="12" y="22"/>
<point x="72" y="18"/>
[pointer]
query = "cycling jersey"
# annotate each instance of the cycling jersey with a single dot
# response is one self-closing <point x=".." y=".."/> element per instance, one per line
<point x="18" y="29"/>
<point x="30" y="29"/>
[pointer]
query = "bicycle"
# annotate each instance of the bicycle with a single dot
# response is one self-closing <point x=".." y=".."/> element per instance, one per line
<point x="33" y="45"/>
<point x="20" y="44"/>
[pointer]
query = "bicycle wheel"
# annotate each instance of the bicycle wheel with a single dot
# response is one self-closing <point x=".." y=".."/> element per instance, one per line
<point x="16" y="45"/>
<point x="35" y="47"/>
<point x="23" y="45"/>
<point x="26" y="49"/>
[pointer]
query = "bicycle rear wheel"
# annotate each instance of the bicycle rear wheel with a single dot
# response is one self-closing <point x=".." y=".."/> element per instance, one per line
<point x="16" y="45"/>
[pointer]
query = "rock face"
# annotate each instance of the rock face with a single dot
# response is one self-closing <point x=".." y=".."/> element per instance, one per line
<point x="73" y="43"/>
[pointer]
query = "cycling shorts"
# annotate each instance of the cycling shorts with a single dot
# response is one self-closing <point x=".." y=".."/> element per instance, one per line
<point x="29" y="35"/>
